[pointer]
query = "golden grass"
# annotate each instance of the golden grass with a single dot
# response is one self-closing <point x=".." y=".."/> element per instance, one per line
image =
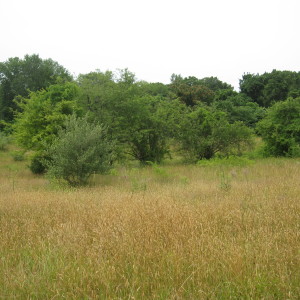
<point x="177" y="232"/>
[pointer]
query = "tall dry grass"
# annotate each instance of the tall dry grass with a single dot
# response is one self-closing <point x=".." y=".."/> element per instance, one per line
<point x="178" y="232"/>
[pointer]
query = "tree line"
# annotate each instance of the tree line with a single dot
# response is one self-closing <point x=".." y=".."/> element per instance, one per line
<point x="104" y="117"/>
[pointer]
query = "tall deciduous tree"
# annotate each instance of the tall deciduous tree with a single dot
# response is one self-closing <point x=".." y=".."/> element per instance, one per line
<point x="192" y="90"/>
<point x="133" y="111"/>
<point x="269" y="88"/>
<point x="142" y="124"/>
<point x="20" y="76"/>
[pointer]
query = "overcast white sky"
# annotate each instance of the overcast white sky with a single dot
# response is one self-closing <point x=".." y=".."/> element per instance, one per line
<point x="223" y="38"/>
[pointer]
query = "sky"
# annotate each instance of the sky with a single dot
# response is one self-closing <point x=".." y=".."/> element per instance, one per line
<point x="156" y="38"/>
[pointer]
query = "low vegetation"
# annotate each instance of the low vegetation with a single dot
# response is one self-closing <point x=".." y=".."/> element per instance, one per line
<point x="4" y="141"/>
<point x="210" y="231"/>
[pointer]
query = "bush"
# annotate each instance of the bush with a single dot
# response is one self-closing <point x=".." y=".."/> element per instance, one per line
<point x="280" y="129"/>
<point x="141" y="125"/>
<point x="80" y="150"/>
<point x="204" y="133"/>
<point x="38" y="163"/>
<point x="18" y="155"/>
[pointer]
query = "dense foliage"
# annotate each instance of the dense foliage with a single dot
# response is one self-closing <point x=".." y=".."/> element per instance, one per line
<point x="20" y="76"/>
<point x="281" y="128"/>
<point x="239" y="107"/>
<point x="199" y="118"/>
<point x="204" y="132"/>
<point x="43" y="113"/>
<point x="268" y="88"/>
<point x="79" y="150"/>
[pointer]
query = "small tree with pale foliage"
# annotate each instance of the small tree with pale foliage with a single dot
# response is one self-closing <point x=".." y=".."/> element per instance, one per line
<point x="80" y="149"/>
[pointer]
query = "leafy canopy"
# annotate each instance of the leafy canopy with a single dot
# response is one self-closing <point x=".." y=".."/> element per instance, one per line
<point x="280" y="129"/>
<point x="20" y="76"/>
<point x="132" y="111"/>
<point x="203" y="132"/>
<point x="269" y="88"/>
<point x="239" y="107"/>
<point x="43" y="113"/>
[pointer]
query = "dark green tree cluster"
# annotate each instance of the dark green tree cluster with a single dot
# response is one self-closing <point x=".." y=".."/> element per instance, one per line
<point x="269" y="88"/>
<point x="239" y="107"/>
<point x="281" y="128"/>
<point x="19" y="77"/>
<point x="54" y="115"/>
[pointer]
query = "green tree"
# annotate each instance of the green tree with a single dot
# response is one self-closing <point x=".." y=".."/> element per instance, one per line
<point x="143" y="128"/>
<point x="203" y="132"/>
<point x="97" y="95"/>
<point x="79" y="150"/>
<point x="252" y="85"/>
<point x="222" y="95"/>
<point x="192" y="95"/>
<point x="132" y="111"/>
<point x="268" y="88"/>
<point x="239" y="107"/>
<point x="280" y="129"/>
<point x="192" y="90"/>
<point x="43" y="113"/>
<point x="102" y="95"/>
<point x="215" y="84"/>
<point x="20" y="76"/>
<point x="154" y="89"/>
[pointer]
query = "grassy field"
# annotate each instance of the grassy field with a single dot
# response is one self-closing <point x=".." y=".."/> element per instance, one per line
<point x="216" y="231"/>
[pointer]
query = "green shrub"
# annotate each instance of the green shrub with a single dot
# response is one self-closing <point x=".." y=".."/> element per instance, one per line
<point x="80" y="150"/>
<point x="18" y="155"/>
<point x="38" y="163"/>
<point x="204" y="133"/>
<point x="280" y="129"/>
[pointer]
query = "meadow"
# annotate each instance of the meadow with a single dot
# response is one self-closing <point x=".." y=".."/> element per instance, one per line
<point x="220" y="230"/>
